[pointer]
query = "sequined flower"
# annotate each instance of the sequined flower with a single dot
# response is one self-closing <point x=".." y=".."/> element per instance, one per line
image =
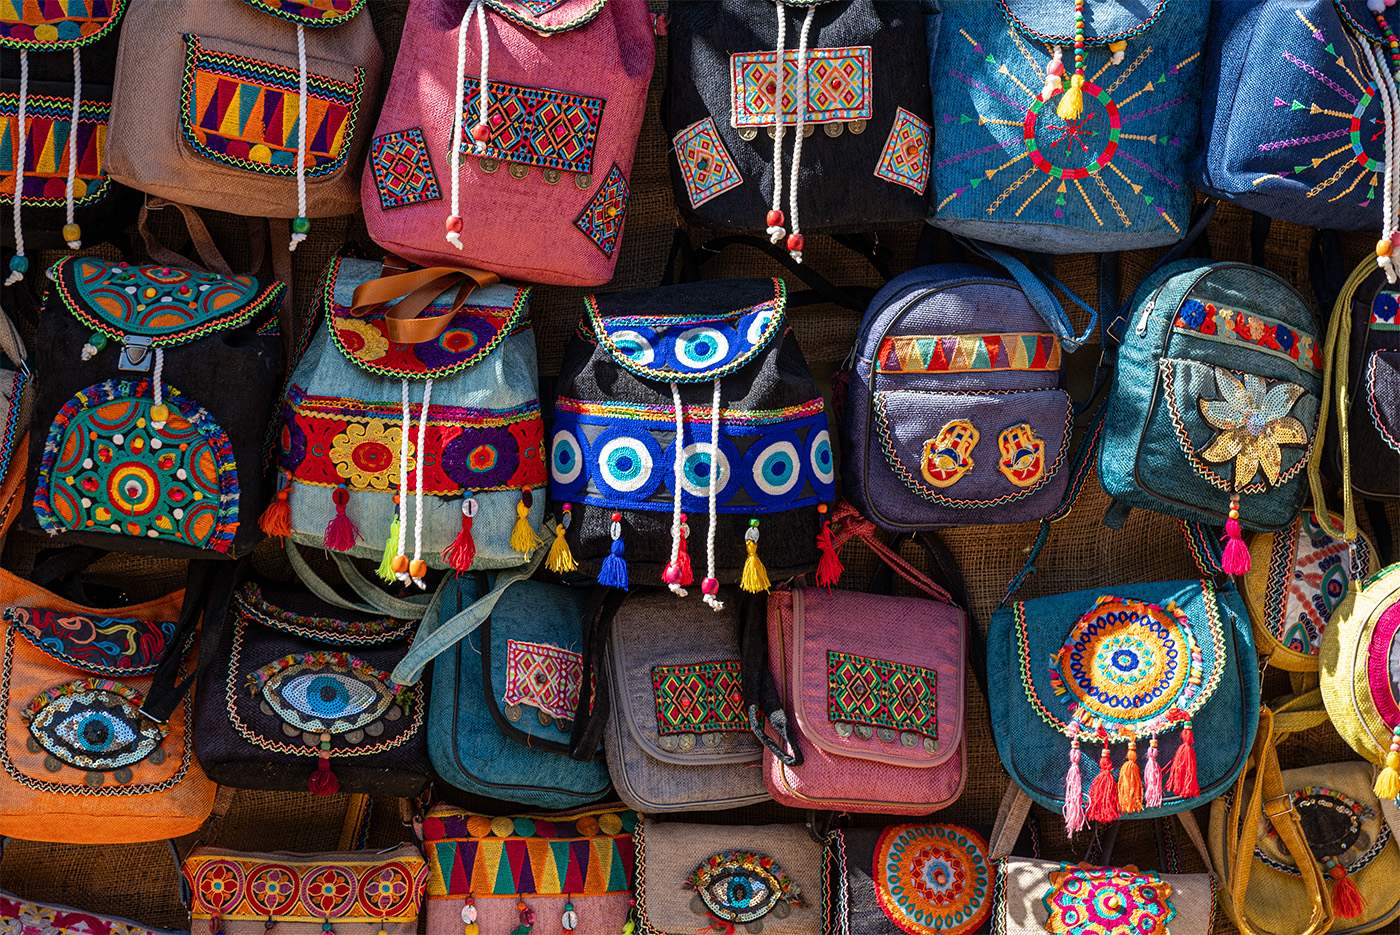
<point x="366" y="455"/>
<point x="1253" y="421"/>
<point x="363" y="340"/>
<point x="1088" y="900"/>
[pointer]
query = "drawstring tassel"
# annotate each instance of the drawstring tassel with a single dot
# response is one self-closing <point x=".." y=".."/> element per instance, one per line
<point x="1181" y="775"/>
<point x="829" y="566"/>
<point x="277" y="518"/>
<point x="522" y="537"/>
<point x="1074" y="786"/>
<point x="1054" y="75"/>
<point x="341" y="533"/>
<point x="755" y="577"/>
<point x="1388" y="781"/>
<point x="1130" y="783"/>
<point x="1236" y="558"/>
<point x="460" y="553"/>
<point x="1346" y="898"/>
<point x="1072" y="104"/>
<point x="1103" y="792"/>
<point x="614" y="570"/>
<point x="1152" y="781"/>
<point x="385" y="571"/>
<point x="678" y="573"/>
<point x="560" y="559"/>
<point x="323" y="781"/>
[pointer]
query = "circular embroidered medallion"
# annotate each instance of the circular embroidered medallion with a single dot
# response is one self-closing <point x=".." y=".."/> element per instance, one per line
<point x="389" y="891"/>
<point x="217" y="887"/>
<point x="933" y="879"/>
<point x="272" y="889"/>
<point x="1108" y="901"/>
<point x="330" y="890"/>
<point x="1335" y="825"/>
<point x="1073" y="149"/>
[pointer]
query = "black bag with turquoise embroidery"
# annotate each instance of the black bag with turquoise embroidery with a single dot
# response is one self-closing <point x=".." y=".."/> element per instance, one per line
<point x="154" y="389"/>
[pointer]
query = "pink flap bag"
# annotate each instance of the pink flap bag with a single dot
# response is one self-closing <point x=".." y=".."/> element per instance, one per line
<point x="539" y="106"/>
<point x="872" y="686"/>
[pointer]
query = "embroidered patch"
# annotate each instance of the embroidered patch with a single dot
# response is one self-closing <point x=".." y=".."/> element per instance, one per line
<point x="948" y="456"/>
<point x="1259" y="333"/>
<point x="933" y="879"/>
<point x="57" y="24"/>
<point x="332" y="693"/>
<point x="1310" y="573"/>
<point x="403" y="169"/>
<point x="311" y="12"/>
<point x="967" y="353"/>
<point x="1107" y="901"/>
<point x="239" y="888"/>
<point x="601" y="219"/>
<point x="741" y="887"/>
<point x="698" y="699"/>
<point x="880" y="694"/>
<point x="48" y="125"/>
<point x="94" y="643"/>
<point x="542" y="676"/>
<point x="1384" y="309"/>
<point x="1251" y="417"/>
<point x="1337" y="828"/>
<point x="107" y="467"/>
<point x="905" y="158"/>
<point x="95" y="725"/>
<point x="1022" y="455"/>
<point x="243" y="113"/>
<point x="534" y="126"/>
<point x="706" y="166"/>
<point x="838" y="86"/>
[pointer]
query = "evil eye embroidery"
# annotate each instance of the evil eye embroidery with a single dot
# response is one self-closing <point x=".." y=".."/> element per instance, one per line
<point x="740" y="888"/>
<point x="327" y="693"/>
<point x="636" y="344"/>
<point x="696" y="469"/>
<point x="1022" y="455"/>
<point x="819" y="454"/>
<point x="626" y="464"/>
<point x="754" y="326"/>
<point x="703" y="347"/>
<point x="565" y="461"/>
<point x="773" y="468"/>
<point x="94" y="725"/>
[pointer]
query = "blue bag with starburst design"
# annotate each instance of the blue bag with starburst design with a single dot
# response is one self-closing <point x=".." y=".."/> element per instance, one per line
<point x="1049" y="143"/>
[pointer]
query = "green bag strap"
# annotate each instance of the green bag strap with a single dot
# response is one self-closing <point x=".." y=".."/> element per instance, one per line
<point x="373" y="598"/>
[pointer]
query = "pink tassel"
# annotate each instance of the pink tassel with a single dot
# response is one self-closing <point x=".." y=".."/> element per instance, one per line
<point x="1074" y="790"/>
<point x="829" y="566"/>
<point x="462" y="551"/>
<point x="1103" y="792"/>
<point x="1181" y="775"/>
<point x="1152" y="778"/>
<point x="1236" y="558"/>
<point x="341" y="532"/>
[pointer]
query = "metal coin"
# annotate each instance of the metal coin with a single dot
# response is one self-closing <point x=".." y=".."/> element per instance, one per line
<point x="122" y="776"/>
<point x="864" y="731"/>
<point x="355" y="736"/>
<point x="544" y="717"/>
<point x="488" y="164"/>
<point x="710" y="740"/>
<point x="374" y="728"/>
<point x="583" y="181"/>
<point x="517" y="171"/>
<point x="669" y="742"/>
<point x="552" y="176"/>
<point x="512" y="712"/>
<point x="697" y="905"/>
<point x="909" y="739"/>
<point x="686" y="742"/>
<point x="833" y="130"/>
<point x="886" y="734"/>
<point x="843" y="728"/>
<point x="781" y="909"/>
<point x="748" y="133"/>
<point x="856" y="126"/>
<point x="930" y="745"/>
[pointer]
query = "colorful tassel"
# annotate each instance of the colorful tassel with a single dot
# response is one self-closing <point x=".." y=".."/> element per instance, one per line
<point x="1236" y="558"/>
<point x="385" y="571"/>
<point x="277" y="518"/>
<point x="613" y="573"/>
<point x="1054" y="75"/>
<point x="678" y="573"/>
<point x="1072" y="103"/>
<point x="1103" y="792"/>
<point x="341" y="533"/>
<point x="462" y="551"/>
<point x="1346" y="898"/>
<point x="1152" y="780"/>
<point x="1181" y="775"/>
<point x="1388" y="781"/>
<point x="522" y="537"/>
<point x="829" y="566"/>
<point x="323" y="781"/>
<point x="1074" y="787"/>
<point x="1130" y="783"/>
<point x="755" y="576"/>
<point x="560" y="559"/>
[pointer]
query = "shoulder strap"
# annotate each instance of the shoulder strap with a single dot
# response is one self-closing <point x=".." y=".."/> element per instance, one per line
<point x="855" y="298"/>
<point x="590" y="719"/>
<point x="1011" y="815"/>
<point x="213" y="261"/>
<point x="1038" y="293"/>
<point x="209" y="586"/>
<point x="373" y="600"/>
<point x="847" y="524"/>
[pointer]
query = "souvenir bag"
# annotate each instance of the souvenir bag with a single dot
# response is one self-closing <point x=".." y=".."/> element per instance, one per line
<point x="155" y="387"/>
<point x="1331" y="821"/>
<point x="1067" y="125"/>
<point x="434" y="368"/>
<point x="298" y="693"/>
<point x="1213" y="409"/>
<point x="687" y="400"/>
<point x="765" y="878"/>
<point x="916" y="879"/>
<point x="16" y="396"/>
<point x="262" y="106"/>
<point x="1297" y="578"/>
<point x="538" y="136"/>
<point x="18" y="914"/>
<point x="853" y="158"/>
<point x="500" y="873"/>
<point x="346" y="892"/>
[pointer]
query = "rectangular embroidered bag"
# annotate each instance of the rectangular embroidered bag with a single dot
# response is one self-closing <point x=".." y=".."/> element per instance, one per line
<point x="25" y="915"/>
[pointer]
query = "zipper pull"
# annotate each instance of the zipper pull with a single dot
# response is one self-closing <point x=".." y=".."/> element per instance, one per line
<point x="1146" y="313"/>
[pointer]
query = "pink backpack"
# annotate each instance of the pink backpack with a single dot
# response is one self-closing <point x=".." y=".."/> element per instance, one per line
<point x="544" y="127"/>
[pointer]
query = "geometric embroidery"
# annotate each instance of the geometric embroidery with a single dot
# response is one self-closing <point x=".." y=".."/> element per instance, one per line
<point x="877" y="693"/>
<point x="47" y="124"/>
<point x="1310" y="573"/>
<point x="698" y="698"/>
<point x="311" y="12"/>
<point x="601" y="218"/>
<point x="838" y="86"/>
<point x="1206" y="320"/>
<point x="247" y="888"/>
<point x="403" y="170"/>
<point x="933" y="879"/>
<point x="706" y="165"/>
<point x="1088" y="900"/>
<point x="534" y="126"/>
<point x="905" y="159"/>
<point x="244" y="113"/>
<point x="543" y="676"/>
<point x="965" y="353"/>
<point x="57" y="24"/>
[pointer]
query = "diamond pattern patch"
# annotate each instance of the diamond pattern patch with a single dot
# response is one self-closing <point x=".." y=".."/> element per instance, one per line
<point x="601" y="219"/>
<point x="403" y="171"/>
<point x="881" y="694"/>
<point x="543" y="676"/>
<point x="706" y="165"/>
<point x="905" y="159"/>
<point x="838" y="86"/>
<point x="698" y="698"/>
<point x="535" y="126"/>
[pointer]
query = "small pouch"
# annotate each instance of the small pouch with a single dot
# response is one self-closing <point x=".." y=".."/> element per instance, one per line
<point x="917" y="880"/>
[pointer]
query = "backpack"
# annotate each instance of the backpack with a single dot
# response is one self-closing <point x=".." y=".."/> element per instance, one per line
<point x="432" y="367"/>
<point x="866" y="123"/>
<point x="208" y="100"/>
<point x="715" y="364"/>
<point x="1213" y="408"/>
<point x="1090" y="158"/>
<point x="546" y="146"/>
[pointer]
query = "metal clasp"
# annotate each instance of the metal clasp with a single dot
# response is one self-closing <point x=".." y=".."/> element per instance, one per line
<point x="136" y="353"/>
<point x="1269" y="806"/>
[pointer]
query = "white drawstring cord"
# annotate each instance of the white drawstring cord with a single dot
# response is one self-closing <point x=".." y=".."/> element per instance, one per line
<point x="419" y="471"/>
<point x="679" y="469"/>
<point x="301" y="221"/>
<point x="19" y="263"/>
<point x="406" y="428"/>
<point x="157" y="391"/>
<point x="712" y="599"/>
<point x="74" y="242"/>
<point x="481" y="132"/>
<point x="1390" y="106"/>
<point x="776" y="232"/>
<point x="794" y="243"/>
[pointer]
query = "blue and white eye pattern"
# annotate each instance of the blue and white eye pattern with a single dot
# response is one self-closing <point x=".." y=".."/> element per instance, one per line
<point x="314" y="696"/>
<point x="773" y="468"/>
<point x="823" y="463"/>
<point x="702" y="348"/>
<point x="636" y="344"/>
<point x="740" y="888"/>
<point x="95" y="726"/>
<point x="625" y="465"/>
<point x="697" y="469"/>
<point x="754" y="326"/>
<point x="566" y="459"/>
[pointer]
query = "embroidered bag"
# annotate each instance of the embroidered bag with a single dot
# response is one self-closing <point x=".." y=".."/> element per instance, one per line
<point x="1214" y="404"/>
<point x="550" y="91"/>
<point x="1066" y="127"/>
<point x="572" y="869"/>
<point x="346" y="892"/>
<point x="765" y="878"/>
<point x="715" y="364"/>
<point x="18" y="914"/>
<point x="16" y="391"/>
<point x="377" y="385"/>
<point x="854" y="159"/>
<point x="297" y="690"/>
<point x="209" y="97"/>
<point x="916" y="879"/>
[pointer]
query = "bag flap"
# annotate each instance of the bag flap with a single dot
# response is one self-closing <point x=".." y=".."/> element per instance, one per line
<point x="679" y="685"/>
<point x="1050" y="895"/>
<point x="1360" y="18"/>
<point x="493" y="313"/>
<point x="894" y="693"/>
<point x="1105" y="21"/>
<point x="532" y="665"/>
<point x="94" y="642"/>
<point x="169" y="305"/>
<point x="299" y="613"/>
<point x="717" y="327"/>
<point x="51" y="26"/>
<point x="310" y="12"/>
<point x="548" y="16"/>
<point x="1320" y="794"/>
<point x="18" y="915"/>
<point x="1383" y="395"/>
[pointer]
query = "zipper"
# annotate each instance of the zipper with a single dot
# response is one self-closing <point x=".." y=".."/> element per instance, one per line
<point x="1146" y="313"/>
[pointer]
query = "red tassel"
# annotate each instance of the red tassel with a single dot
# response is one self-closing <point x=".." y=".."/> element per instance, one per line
<point x="829" y="566"/>
<point x="323" y="781"/>
<point x="1236" y="558"/>
<point x="1346" y="898"/>
<point x="1181" y="774"/>
<point x="678" y="570"/>
<point x="341" y="532"/>
<point x="460" y="553"/>
<point x="1130" y="783"/>
<point x="1103" y="793"/>
<point x="277" y="518"/>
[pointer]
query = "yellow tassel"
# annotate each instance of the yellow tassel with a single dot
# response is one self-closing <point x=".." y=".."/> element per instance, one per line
<point x="522" y="537"/>
<point x="1388" y="782"/>
<point x="1072" y="102"/>
<point x="391" y="548"/>
<point x="755" y="576"/>
<point x="560" y="559"/>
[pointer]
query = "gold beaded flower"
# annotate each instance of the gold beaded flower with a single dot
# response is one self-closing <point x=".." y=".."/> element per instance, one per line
<point x="1253" y="421"/>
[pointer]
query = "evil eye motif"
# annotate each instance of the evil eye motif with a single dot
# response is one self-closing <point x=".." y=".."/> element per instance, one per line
<point x="822" y="461"/>
<point x="696" y="469"/>
<point x="93" y="725"/>
<point x="773" y="468"/>
<point x="626" y="464"/>
<point x="314" y="697"/>
<point x="755" y="325"/>
<point x="636" y="344"/>
<point x="740" y="888"/>
<point x="565" y="461"/>
<point x="703" y="347"/>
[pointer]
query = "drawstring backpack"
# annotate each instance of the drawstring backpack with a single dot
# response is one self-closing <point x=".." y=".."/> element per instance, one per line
<point x="533" y="131"/>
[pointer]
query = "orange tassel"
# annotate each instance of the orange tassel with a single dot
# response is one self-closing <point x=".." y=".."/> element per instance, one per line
<point x="1103" y="793"/>
<point x="1130" y="783"/>
<point x="1181" y="774"/>
<point x="277" y="518"/>
<point x="1346" y="898"/>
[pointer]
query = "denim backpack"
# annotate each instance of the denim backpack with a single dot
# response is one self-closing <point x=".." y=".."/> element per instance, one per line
<point x="1214" y="403"/>
<point x="1065" y="132"/>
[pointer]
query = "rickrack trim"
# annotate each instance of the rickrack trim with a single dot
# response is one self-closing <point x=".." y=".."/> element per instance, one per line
<point x="250" y="603"/>
<point x="1376" y="417"/>
<point x="1068" y="38"/>
<point x="118" y="9"/>
<point x="507" y="10"/>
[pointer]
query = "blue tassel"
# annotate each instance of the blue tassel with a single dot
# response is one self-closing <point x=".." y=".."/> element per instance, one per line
<point x="614" y="570"/>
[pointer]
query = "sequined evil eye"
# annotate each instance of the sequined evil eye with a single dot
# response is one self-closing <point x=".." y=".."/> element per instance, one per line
<point x="822" y="461"/>
<point x="94" y="725"/>
<point x="741" y="887"/>
<point x="626" y="464"/>
<point x="328" y="695"/>
<point x="315" y="696"/>
<point x="636" y="344"/>
<point x="773" y="468"/>
<point x="703" y="347"/>
<point x="565" y="461"/>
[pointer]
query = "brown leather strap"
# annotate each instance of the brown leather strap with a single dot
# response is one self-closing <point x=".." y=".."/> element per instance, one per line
<point x="213" y="260"/>
<point x="411" y="293"/>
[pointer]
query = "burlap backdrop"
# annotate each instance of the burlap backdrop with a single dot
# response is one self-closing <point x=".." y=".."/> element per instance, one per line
<point x="138" y="881"/>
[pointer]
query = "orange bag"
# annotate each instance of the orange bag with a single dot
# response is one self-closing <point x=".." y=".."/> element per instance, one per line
<point x="80" y="762"/>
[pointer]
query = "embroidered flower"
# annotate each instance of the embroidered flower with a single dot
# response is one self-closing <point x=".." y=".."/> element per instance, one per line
<point x="386" y="888"/>
<point x="329" y="889"/>
<point x="1108" y="901"/>
<point x="364" y="341"/>
<point x="1193" y="312"/>
<point x="367" y="455"/>
<point x="1253" y="421"/>
<point x="482" y="459"/>
<point x="463" y="338"/>
<point x="292" y="441"/>
<point x="32" y="920"/>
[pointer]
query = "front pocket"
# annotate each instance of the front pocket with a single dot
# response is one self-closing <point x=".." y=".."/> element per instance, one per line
<point x="1382" y="394"/>
<point x="973" y="449"/>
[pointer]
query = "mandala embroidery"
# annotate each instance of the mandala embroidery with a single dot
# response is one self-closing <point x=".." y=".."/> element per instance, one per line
<point x="706" y="166"/>
<point x="403" y="169"/>
<point x="698" y="699"/>
<point x="542" y="676"/>
<point x="968" y="353"/>
<point x="741" y="888"/>
<point x="1253" y="421"/>
<point x="1022" y="455"/>
<point x="948" y="456"/>
<point x="94" y="725"/>
<point x="905" y="158"/>
<point x="329" y="696"/>
<point x="933" y="879"/>
<point x="1258" y="333"/>
<point x="109" y="645"/>
<point x="57" y="24"/>
<point x="535" y="126"/>
<point x="866" y="696"/>
<point x="601" y="219"/>
<point x="249" y="888"/>
<point x="838" y="87"/>
<point x="1309" y="575"/>
<point x="1107" y="901"/>
<point x="48" y="123"/>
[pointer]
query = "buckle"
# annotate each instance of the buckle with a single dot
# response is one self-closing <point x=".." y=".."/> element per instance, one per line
<point x="1272" y="812"/>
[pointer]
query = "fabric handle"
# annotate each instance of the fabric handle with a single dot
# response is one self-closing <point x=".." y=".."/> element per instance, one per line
<point x="373" y="600"/>
<point x="213" y="260"/>
<point x="590" y="720"/>
<point x="1039" y="294"/>
<point x="761" y="694"/>
<point x="413" y="292"/>
<point x="847" y="524"/>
